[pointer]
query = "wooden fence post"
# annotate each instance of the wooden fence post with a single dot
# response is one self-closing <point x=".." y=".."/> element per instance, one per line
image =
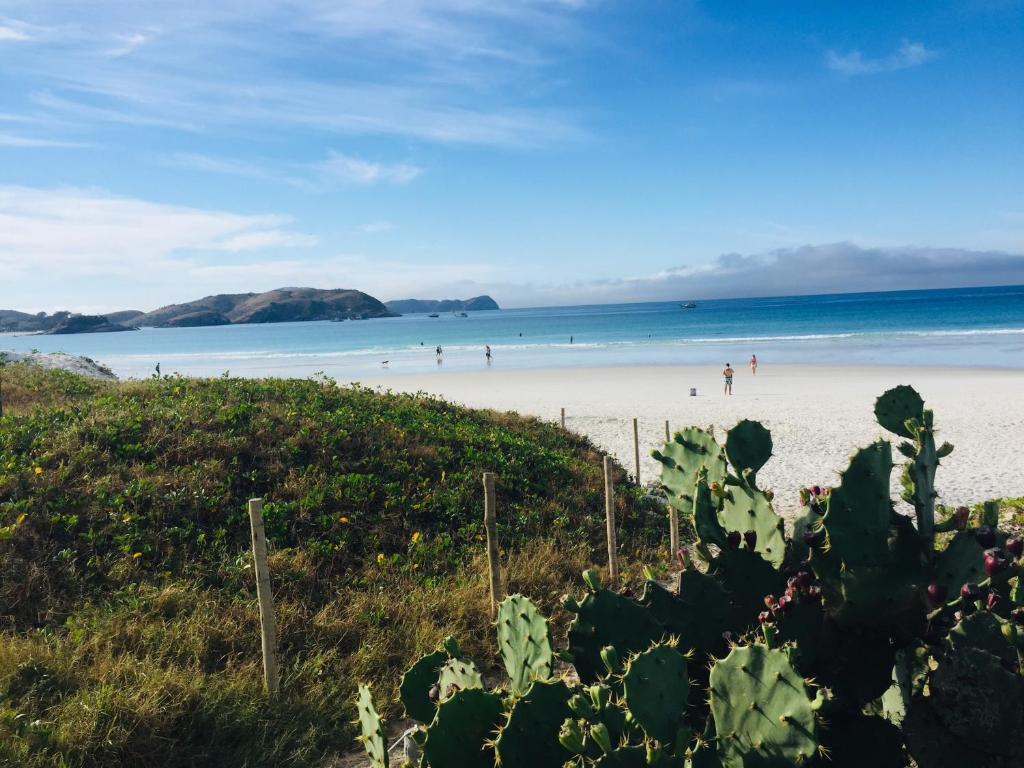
<point x="636" y="449"/>
<point x="491" y="525"/>
<point x="563" y="418"/>
<point x="609" y="514"/>
<point x="668" y="434"/>
<point x="268" y="629"/>
<point x="673" y="532"/>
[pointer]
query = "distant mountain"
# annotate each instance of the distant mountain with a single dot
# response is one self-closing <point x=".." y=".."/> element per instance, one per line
<point x="12" y="321"/>
<point x="409" y="306"/>
<point x="87" y="324"/>
<point x="278" y="306"/>
<point x="123" y="316"/>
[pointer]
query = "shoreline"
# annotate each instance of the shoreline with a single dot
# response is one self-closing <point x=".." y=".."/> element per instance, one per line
<point x="818" y="415"/>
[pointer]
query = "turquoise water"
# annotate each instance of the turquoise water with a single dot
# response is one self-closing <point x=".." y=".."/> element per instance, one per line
<point x="958" y="327"/>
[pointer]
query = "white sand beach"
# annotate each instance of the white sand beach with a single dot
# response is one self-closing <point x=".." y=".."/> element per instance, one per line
<point x="817" y="414"/>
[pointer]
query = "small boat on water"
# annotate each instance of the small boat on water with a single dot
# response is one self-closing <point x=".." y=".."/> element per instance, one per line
<point x="688" y="305"/>
<point x="433" y="314"/>
<point x="461" y="314"/>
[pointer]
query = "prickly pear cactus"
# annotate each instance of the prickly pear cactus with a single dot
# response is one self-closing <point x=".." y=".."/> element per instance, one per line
<point x="691" y="450"/>
<point x="859" y="510"/>
<point x="699" y="615"/>
<point x="371" y="729"/>
<point x="458" y="675"/>
<point x="655" y="688"/>
<point x="763" y="715"/>
<point x="897" y="406"/>
<point x="524" y="642"/>
<point x="748" y="446"/>
<point x="459" y="735"/>
<point x="705" y="514"/>
<point x="529" y="736"/>
<point x="747" y="509"/>
<point x="961" y="562"/>
<point x="747" y="578"/>
<point x="414" y="691"/>
<point x="604" y="618"/>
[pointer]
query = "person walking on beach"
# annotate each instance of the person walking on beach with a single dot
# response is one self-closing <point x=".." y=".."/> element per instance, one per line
<point x="440" y="354"/>
<point x="728" y="374"/>
<point x="487" y="353"/>
<point x="753" y="364"/>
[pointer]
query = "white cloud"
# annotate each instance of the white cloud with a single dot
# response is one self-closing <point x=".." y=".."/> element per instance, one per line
<point x="440" y="70"/>
<point x="349" y="169"/>
<point x="10" y="140"/>
<point x="909" y="54"/>
<point x="69" y="231"/>
<point x="374" y="227"/>
<point x="11" y="31"/>
<point x="199" y="162"/>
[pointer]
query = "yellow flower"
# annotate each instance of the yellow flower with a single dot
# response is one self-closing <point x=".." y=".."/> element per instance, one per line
<point x="136" y="555"/>
<point x="380" y="558"/>
<point x="39" y="470"/>
<point x="343" y="519"/>
<point x="415" y="537"/>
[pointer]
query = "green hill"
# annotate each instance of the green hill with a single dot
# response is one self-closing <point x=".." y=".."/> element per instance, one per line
<point x="130" y="631"/>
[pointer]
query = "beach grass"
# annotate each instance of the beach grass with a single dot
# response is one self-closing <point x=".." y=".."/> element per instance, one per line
<point x="130" y="633"/>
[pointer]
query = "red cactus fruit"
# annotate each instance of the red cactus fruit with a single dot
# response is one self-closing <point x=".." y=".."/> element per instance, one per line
<point x="1017" y="614"/>
<point x="992" y="601"/>
<point x="816" y="490"/>
<point x="764" y="617"/>
<point x="769" y="601"/>
<point x="970" y="592"/>
<point x="936" y="593"/>
<point x="785" y="603"/>
<point x="1015" y="547"/>
<point x="733" y="539"/>
<point x="750" y="539"/>
<point x="994" y="562"/>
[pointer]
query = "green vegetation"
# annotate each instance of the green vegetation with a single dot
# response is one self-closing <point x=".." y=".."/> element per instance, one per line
<point x="129" y="633"/>
<point x="872" y="639"/>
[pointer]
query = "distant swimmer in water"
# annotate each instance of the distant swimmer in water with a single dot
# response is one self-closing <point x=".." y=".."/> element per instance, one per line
<point x="753" y="364"/>
<point x="487" y="353"/>
<point x="384" y="363"/>
<point x="728" y="374"/>
<point x="570" y="339"/>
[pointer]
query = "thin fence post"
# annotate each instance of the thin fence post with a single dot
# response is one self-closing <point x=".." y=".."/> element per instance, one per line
<point x="268" y="630"/>
<point x="491" y="525"/>
<point x="636" y="449"/>
<point x="673" y="532"/>
<point x="563" y="418"/>
<point x="668" y="434"/>
<point x="609" y="514"/>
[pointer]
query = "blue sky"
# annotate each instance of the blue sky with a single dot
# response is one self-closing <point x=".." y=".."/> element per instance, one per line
<point x="544" y="151"/>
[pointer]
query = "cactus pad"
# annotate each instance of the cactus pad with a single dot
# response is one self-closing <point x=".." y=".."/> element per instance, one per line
<point x="857" y="520"/>
<point x="458" y="675"/>
<point x="458" y="736"/>
<point x="698" y="615"/>
<point x="414" y="690"/>
<point x="747" y="578"/>
<point x="691" y="450"/>
<point x="705" y="514"/>
<point x="371" y="729"/>
<point x="982" y="630"/>
<point x="748" y="509"/>
<point x="656" y="688"/>
<point x="896" y="406"/>
<point x="530" y="735"/>
<point x="762" y="713"/>
<point x="606" y="618"/>
<point x="960" y="563"/>
<point x="524" y="642"/>
<point x="748" y="446"/>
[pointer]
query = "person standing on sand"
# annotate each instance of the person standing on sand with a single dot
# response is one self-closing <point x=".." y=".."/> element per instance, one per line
<point x="728" y="374"/>
<point x="487" y="354"/>
<point x="753" y="364"/>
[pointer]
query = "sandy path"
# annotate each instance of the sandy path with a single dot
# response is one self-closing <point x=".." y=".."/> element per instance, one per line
<point x="817" y="414"/>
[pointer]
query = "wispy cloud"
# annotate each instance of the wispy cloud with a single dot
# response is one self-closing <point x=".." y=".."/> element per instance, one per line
<point x="207" y="164"/>
<point x="68" y="231"/>
<point x="11" y="140"/>
<point x="909" y="54"/>
<point x="375" y="227"/>
<point x="12" y="32"/>
<point x="456" y="71"/>
<point x="349" y="169"/>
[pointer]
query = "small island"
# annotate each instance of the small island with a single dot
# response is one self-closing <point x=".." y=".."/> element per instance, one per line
<point x="413" y="306"/>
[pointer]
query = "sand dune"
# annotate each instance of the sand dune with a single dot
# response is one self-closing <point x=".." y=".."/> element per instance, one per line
<point x="818" y="415"/>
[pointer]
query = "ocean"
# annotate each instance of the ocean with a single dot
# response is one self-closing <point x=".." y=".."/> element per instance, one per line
<point x="953" y="327"/>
